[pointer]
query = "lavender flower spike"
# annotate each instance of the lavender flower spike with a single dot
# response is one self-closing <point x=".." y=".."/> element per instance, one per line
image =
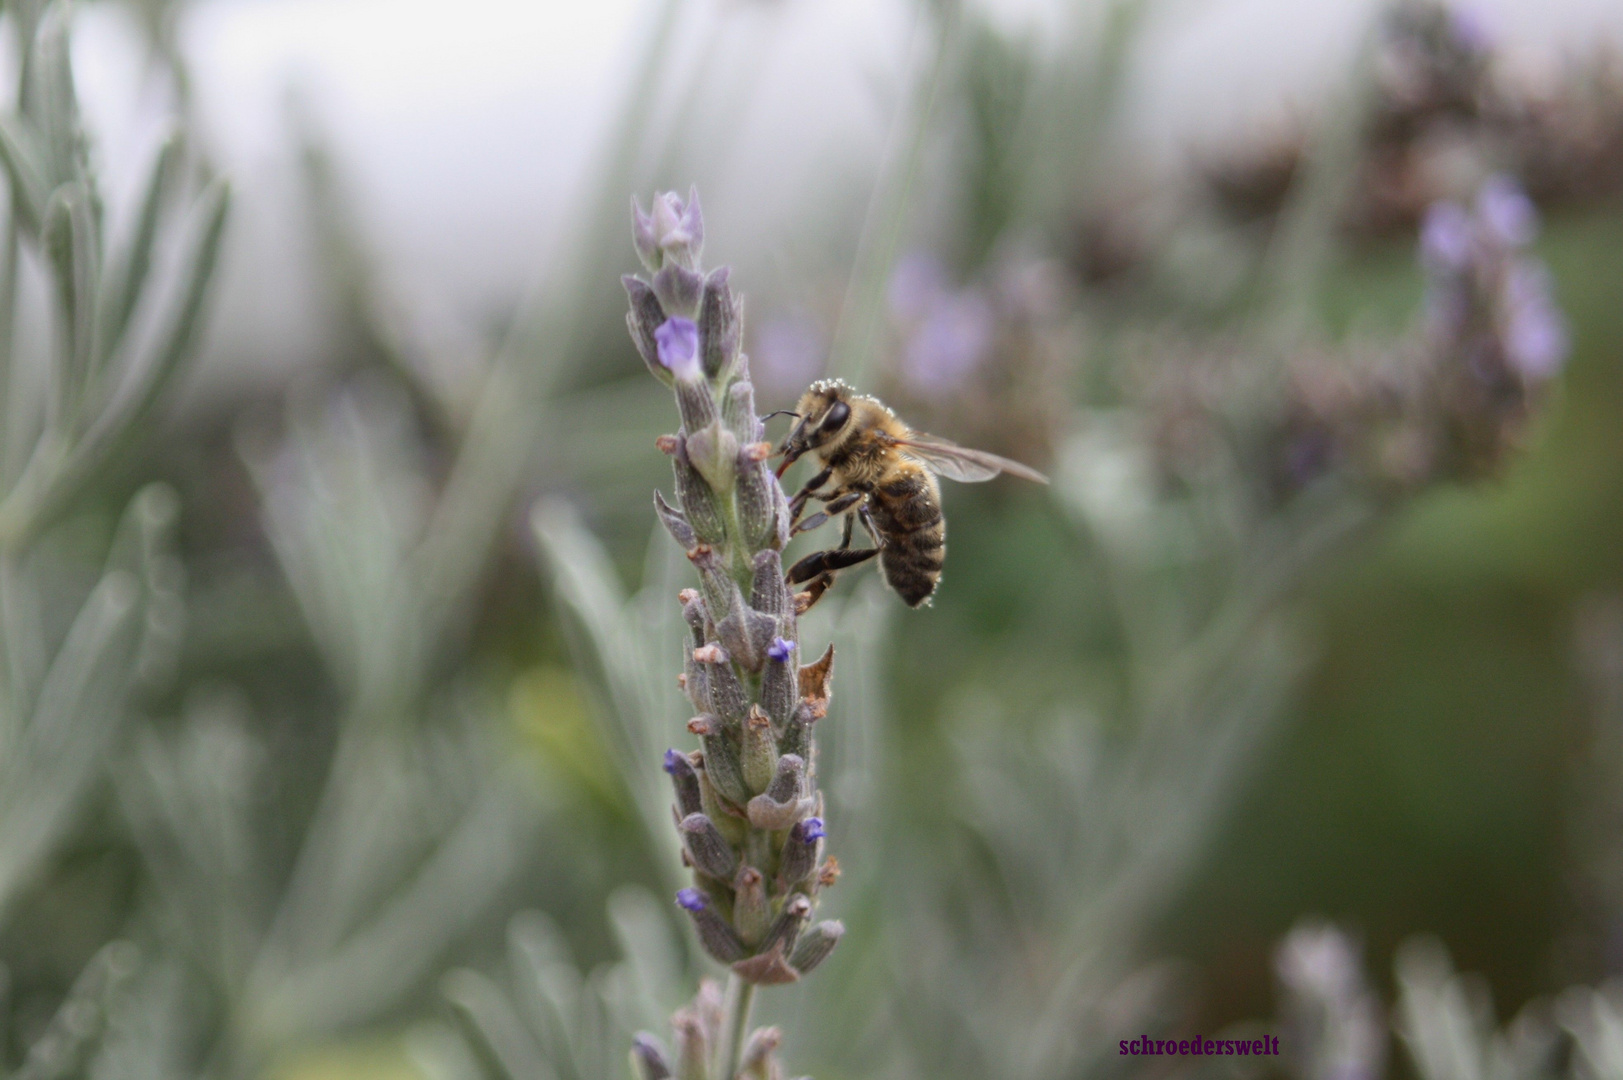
<point x="740" y="800"/>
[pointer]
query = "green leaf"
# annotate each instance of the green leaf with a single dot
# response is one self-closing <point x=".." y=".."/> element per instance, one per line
<point x="24" y="160"/>
<point x="53" y="105"/>
<point x="70" y="244"/>
<point x="127" y="269"/>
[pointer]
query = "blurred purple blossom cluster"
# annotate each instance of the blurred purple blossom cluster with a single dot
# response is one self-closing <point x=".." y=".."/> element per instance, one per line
<point x="984" y="360"/>
<point x="1445" y="401"/>
<point x="1442" y="112"/>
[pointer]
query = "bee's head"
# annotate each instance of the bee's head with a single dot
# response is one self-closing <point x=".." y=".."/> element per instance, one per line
<point x="825" y="416"/>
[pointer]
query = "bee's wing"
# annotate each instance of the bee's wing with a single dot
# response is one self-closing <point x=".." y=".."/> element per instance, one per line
<point x="961" y="463"/>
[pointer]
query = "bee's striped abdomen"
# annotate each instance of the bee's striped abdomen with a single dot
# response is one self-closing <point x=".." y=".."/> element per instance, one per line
<point x="907" y="512"/>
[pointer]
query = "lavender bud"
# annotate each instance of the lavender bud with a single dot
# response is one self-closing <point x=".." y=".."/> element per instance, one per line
<point x="800" y="851"/>
<point x="770" y="816"/>
<point x="719" y="326"/>
<point x="738" y="411"/>
<point x="696" y="681"/>
<point x="698" y="501"/>
<point x="760" y="753"/>
<point x="718" y="939"/>
<point x="751" y="914"/>
<point x="787" y="781"/>
<point x="675" y="523"/>
<point x="649" y="1059"/>
<point x="815" y="945"/>
<point x="692" y="1044"/>
<point x="721" y="595"/>
<point x="685" y="780"/>
<point x="734" y="828"/>
<point x="778" y="684"/>
<point x="693" y="613"/>
<point x="747" y="634"/>
<point x="756" y="503"/>
<point x="721" y="762"/>
<point x="768" y="594"/>
<point x="706" y="846"/>
<point x="797" y="734"/>
<point x="785" y="929"/>
<point x="645" y="238"/>
<point x="678" y="289"/>
<point x="644" y="320"/>
<point x="756" y="1061"/>
<point x="727" y="695"/>
<point x="712" y="449"/>
<point x="677" y="228"/>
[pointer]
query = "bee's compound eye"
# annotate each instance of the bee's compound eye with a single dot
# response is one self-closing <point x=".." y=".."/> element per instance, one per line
<point x="838" y="414"/>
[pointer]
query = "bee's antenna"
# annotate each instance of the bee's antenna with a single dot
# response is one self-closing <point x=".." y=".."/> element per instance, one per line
<point x="780" y="412"/>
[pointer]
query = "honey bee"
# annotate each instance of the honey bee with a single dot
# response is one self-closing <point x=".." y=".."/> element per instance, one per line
<point x="877" y="470"/>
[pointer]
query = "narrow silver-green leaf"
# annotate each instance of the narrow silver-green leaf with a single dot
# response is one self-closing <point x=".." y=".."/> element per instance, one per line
<point x="53" y="105"/>
<point x="127" y="269"/>
<point x="140" y="391"/>
<point x="70" y="244"/>
<point x="24" y="160"/>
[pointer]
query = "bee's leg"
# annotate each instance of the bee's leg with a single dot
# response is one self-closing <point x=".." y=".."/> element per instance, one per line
<point x="812" y="593"/>
<point x="798" y="503"/>
<point x="834" y="508"/>
<point x="867" y="523"/>
<point x="819" y="562"/>
<point x="845" y="537"/>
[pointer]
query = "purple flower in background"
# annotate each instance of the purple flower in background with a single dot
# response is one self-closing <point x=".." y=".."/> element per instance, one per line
<point x="671" y="758"/>
<point x="916" y="284"/>
<point x="1506" y="212"/>
<point x="1535" y="334"/>
<point x="678" y="341"/>
<point x="779" y="650"/>
<point x="1470" y="30"/>
<point x="812" y="829"/>
<point x="950" y="343"/>
<point x="1446" y="237"/>
<point x="690" y="900"/>
<point x="789" y="351"/>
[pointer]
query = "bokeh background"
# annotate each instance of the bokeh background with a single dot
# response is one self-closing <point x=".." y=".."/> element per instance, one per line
<point x="337" y="630"/>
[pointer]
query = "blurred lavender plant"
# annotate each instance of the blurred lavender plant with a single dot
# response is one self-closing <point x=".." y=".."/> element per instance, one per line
<point x="93" y="332"/>
<point x="1208" y="505"/>
<point x="1334" y="1027"/>
<point x="1447" y="1023"/>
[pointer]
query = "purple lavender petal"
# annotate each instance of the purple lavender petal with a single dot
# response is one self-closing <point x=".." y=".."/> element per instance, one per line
<point x="1446" y="237"/>
<point x="671" y="758"/>
<point x="811" y="830"/>
<point x="779" y="650"/>
<point x="1506" y="212"/>
<point x="690" y="900"/>
<point x="678" y="342"/>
